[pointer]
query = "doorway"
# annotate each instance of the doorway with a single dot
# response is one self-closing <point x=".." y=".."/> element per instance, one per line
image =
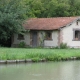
<point x="34" y="39"/>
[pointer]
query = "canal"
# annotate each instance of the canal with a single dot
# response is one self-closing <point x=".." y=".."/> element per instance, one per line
<point x="66" y="70"/>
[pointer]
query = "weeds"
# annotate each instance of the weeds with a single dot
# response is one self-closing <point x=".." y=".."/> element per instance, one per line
<point x="37" y="54"/>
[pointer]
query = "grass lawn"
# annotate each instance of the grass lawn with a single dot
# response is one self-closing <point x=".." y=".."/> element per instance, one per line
<point x="37" y="54"/>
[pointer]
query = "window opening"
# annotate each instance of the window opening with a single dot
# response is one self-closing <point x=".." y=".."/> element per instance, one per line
<point x="77" y="35"/>
<point x="48" y="35"/>
<point x="20" y="37"/>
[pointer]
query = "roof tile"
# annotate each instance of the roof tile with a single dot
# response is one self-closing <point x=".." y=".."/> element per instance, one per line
<point x="48" y="23"/>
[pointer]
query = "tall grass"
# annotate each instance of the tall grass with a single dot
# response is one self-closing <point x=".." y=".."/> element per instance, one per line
<point x="37" y="54"/>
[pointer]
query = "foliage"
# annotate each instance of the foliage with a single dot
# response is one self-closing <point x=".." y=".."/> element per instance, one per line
<point x="38" y="54"/>
<point x="12" y="14"/>
<point x="36" y="59"/>
<point x="56" y="47"/>
<point x="63" y="46"/>
<point x="22" y="44"/>
<point x="53" y="8"/>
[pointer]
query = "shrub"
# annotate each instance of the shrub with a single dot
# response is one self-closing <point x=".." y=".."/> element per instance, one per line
<point x="36" y="59"/>
<point x="63" y="46"/>
<point x="56" y="47"/>
<point x="22" y="44"/>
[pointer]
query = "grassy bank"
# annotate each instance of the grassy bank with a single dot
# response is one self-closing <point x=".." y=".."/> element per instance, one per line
<point x="37" y="54"/>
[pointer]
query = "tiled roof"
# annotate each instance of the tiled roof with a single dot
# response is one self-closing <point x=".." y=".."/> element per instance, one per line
<point x="48" y="23"/>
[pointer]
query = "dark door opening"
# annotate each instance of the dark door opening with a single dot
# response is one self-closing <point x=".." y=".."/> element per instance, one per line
<point x="34" y="39"/>
<point x="5" y="43"/>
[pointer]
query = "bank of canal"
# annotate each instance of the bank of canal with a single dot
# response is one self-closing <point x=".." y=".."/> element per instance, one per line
<point x="18" y="55"/>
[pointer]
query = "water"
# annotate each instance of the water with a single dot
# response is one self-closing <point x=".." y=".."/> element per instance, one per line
<point x="67" y="70"/>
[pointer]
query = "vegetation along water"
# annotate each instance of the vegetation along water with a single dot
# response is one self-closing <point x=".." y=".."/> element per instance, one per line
<point x="37" y="54"/>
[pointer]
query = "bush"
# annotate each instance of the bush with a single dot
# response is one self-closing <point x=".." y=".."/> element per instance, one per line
<point x="22" y="44"/>
<point x="35" y="59"/>
<point x="56" y="47"/>
<point x="63" y="46"/>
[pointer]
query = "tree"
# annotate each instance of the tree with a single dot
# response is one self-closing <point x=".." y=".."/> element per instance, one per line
<point x="62" y="10"/>
<point x="49" y="8"/>
<point x="53" y="8"/>
<point x="12" y="15"/>
<point x="74" y="7"/>
<point x="35" y="7"/>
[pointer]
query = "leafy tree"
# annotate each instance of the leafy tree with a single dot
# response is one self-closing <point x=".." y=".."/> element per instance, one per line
<point x="74" y="7"/>
<point x="12" y="13"/>
<point x="35" y="7"/>
<point x="62" y="10"/>
<point x="54" y="8"/>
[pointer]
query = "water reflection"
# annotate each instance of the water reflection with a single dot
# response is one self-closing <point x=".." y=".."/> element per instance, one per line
<point x="41" y="71"/>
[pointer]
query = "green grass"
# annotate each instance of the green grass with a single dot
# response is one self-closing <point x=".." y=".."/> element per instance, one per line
<point x="37" y="54"/>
